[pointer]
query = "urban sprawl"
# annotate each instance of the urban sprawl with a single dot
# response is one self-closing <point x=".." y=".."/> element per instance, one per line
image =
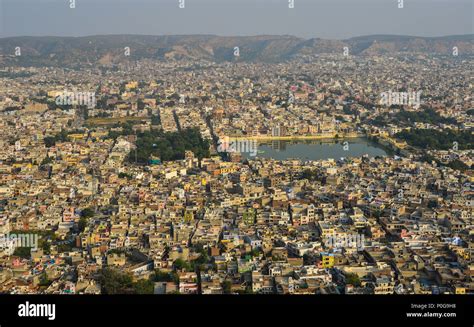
<point x="145" y="177"/>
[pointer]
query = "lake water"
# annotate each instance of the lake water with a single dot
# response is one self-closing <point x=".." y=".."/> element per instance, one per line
<point x="318" y="149"/>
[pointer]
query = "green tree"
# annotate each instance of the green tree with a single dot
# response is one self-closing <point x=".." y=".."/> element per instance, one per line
<point x="82" y="224"/>
<point x="353" y="279"/>
<point x="44" y="280"/>
<point x="87" y="213"/>
<point x="22" y="252"/>
<point x="115" y="282"/>
<point x="180" y="264"/>
<point x="144" y="286"/>
<point x="227" y="286"/>
<point x="161" y="276"/>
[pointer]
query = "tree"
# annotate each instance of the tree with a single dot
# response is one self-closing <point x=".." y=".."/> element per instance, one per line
<point x="438" y="140"/>
<point x="23" y="252"/>
<point x="353" y="279"/>
<point x="180" y="264"/>
<point x="144" y="286"/>
<point x="227" y="286"/>
<point x="429" y="115"/>
<point x="115" y="282"/>
<point x="82" y="224"/>
<point x="46" y="160"/>
<point x="87" y="213"/>
<point x="161" y="276"/>
<point x="169" y="146"/>
<point x="124" y="175"/>
<point x="458" y="165"/>
<point x="44" y="280"/>
<point x="203" y="257"/>
<point x="256" y="252"/>
<point x="49" y="141"/>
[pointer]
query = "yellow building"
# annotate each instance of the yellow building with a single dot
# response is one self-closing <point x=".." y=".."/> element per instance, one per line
<point x="131" y="85"/>
<point x="188" y="216"/>
<point x="327" y="260"/>
<point x="460" y="290"/>
<point x="78" y="136"/>
<point x="55" y="93"/>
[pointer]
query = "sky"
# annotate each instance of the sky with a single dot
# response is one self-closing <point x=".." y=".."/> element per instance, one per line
<point x="330" y="19"/>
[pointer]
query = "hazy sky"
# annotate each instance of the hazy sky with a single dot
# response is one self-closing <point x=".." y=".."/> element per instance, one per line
<point x="336" y="19"/>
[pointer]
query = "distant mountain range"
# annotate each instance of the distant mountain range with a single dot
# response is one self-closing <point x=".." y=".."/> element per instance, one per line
<point x="109" y="49"/>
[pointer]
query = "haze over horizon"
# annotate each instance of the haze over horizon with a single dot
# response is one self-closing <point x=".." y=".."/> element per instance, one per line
<point x="327" y="19"/>
<point x="238" y="36"/>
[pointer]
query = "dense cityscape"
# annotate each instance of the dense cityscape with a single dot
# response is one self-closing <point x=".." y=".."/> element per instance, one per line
<point x="149" y="177"/>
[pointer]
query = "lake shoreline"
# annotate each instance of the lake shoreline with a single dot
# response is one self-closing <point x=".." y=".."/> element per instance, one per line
<point x="317" y="149"/>
<point x="300" y="137"/>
